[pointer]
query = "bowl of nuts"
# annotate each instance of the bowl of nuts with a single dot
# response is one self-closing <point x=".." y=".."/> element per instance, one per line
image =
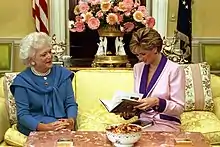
<point x="124" y="135"/>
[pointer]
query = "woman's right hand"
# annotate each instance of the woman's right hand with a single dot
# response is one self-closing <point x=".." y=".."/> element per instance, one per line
<point x="54" y="126"/>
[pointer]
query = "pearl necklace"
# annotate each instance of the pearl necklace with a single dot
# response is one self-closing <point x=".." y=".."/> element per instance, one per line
<point x="39" y="73"/>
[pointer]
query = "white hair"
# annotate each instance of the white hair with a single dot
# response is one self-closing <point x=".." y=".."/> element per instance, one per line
<point x="31" y="43"/>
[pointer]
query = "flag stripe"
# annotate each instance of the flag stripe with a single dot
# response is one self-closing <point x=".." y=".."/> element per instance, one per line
<point x="43" y="5"/>
<point x="40" y="15"/>
<point x="43" y="18"/>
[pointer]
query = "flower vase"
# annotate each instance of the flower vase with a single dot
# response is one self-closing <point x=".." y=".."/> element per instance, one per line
<point x="110" y="31"/>
<point x="104" y="57"/>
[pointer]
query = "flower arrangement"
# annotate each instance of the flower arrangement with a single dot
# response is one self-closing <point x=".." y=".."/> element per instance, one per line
<point x="124" y="15"/>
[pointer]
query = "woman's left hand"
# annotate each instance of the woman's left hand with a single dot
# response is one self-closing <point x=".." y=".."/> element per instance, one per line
<point x="147" y="103"/>
<point x="70" y="121"/>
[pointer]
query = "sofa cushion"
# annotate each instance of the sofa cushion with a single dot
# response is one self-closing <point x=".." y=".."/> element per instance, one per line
<point x="99" y="84"/>
<point x="10" y="101"/>
<point x="217" y="106"/>
<point x="14" y="138"/>
<point x="204" y="122"/>
<point x="198" y="95"/>
<point x="4" y="124"/>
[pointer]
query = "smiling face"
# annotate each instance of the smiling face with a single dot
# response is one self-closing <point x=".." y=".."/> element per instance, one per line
<point x="42" y="59"/>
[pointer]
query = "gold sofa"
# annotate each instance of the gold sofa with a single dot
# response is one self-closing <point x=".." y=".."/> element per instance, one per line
<point x="91" y="85"/>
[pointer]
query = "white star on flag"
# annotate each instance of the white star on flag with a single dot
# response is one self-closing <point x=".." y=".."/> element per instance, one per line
<point x="184" y="2"/>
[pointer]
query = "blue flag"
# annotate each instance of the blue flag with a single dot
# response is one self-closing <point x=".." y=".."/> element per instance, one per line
<point x="184" y="27"/>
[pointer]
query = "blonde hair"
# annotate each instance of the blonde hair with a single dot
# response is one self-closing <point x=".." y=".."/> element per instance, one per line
<point x="31" y="43"/>
<point x="145" y="39"/>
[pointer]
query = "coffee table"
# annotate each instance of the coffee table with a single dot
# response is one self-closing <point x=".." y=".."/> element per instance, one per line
<point x="99" y="139"/>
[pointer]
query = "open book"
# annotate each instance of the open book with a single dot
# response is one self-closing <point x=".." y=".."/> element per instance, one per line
<point x="122" y="102"/>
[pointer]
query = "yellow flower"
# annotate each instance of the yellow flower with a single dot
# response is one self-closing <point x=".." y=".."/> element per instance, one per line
<point x="105" y="6"/>
<point x="138" y="16"/>
<point x="121" y="6"/>
<point x="76" y="10"/>
<point x="112" y="19"/>
<point x="88" y="16"/>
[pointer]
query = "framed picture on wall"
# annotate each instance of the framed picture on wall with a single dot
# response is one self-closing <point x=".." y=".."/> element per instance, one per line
<point x="210" y="53"/>
<point x="6" y="56"/>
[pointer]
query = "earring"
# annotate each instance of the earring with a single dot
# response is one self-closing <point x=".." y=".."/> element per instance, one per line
<point x="32" y="63"/>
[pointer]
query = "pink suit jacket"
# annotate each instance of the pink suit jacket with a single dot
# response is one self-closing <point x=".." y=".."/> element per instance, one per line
<point x="167" y="84"/>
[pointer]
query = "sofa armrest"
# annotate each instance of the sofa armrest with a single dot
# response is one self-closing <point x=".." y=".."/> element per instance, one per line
<point x="4" y="120"/>
<point x="215" y="82"/>
<point x="217" y="106"/>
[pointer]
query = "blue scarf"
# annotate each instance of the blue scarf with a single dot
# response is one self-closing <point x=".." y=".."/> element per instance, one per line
<point x="60" y="75"/>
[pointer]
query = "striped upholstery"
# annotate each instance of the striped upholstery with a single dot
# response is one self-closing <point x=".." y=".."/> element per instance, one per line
<point x="198" y="95"/>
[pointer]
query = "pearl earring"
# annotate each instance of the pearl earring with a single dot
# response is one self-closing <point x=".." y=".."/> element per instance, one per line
<point x="32" y="63"/>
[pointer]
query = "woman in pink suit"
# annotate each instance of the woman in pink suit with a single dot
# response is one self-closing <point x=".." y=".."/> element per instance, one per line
<point x="160" y="80"/>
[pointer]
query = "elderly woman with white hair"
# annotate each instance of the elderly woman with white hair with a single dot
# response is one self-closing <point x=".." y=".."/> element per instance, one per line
<point x="43" y="92"/>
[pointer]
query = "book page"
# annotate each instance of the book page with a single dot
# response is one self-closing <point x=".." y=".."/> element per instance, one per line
<point x="107" y="104"/>
<point x="117" y="99"/>
<point x="119" y="95"/>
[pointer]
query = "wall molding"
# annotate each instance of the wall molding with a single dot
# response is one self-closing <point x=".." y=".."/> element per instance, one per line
<point x="16" y="40"/>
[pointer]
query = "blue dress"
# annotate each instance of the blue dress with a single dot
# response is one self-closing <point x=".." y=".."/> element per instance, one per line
<point x="43" y="99"/>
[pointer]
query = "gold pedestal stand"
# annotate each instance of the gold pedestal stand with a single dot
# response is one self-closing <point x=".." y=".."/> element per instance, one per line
<point x="111" y="61"/>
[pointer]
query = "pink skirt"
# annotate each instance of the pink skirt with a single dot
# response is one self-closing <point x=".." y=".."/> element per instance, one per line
<point x="157" y="127"/>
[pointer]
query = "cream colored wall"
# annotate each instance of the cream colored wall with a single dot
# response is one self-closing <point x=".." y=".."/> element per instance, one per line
<point x="15" y="22"/>
<point x="16" y="18"/>
<point x="205" y="18"/>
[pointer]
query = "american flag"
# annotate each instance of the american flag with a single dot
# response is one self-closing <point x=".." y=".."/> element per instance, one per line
<point x="40" y="15"/>
<point x="184" y="26"/>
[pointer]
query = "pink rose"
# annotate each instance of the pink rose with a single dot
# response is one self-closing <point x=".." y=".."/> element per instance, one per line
<point x="94" y="2"/>
<point x="128" y="26"/>
<point x="99" y="14"/>
<point x="128" y="1"/>
<point x="143" y="10"/>
<point x="128" y="4"/>
<point x="83" y="7"/>
<point x="78" y="18"/>
<point x="79" y="26"/>
<point x="115" y="9"/>
<point x="150" y="22"/>
<point x="93" y="23"/>
<point x="127" y="13"/>
<point x="120" y="18"/>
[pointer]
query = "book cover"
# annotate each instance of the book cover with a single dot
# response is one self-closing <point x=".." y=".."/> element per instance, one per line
<point x="143" y="123"/>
